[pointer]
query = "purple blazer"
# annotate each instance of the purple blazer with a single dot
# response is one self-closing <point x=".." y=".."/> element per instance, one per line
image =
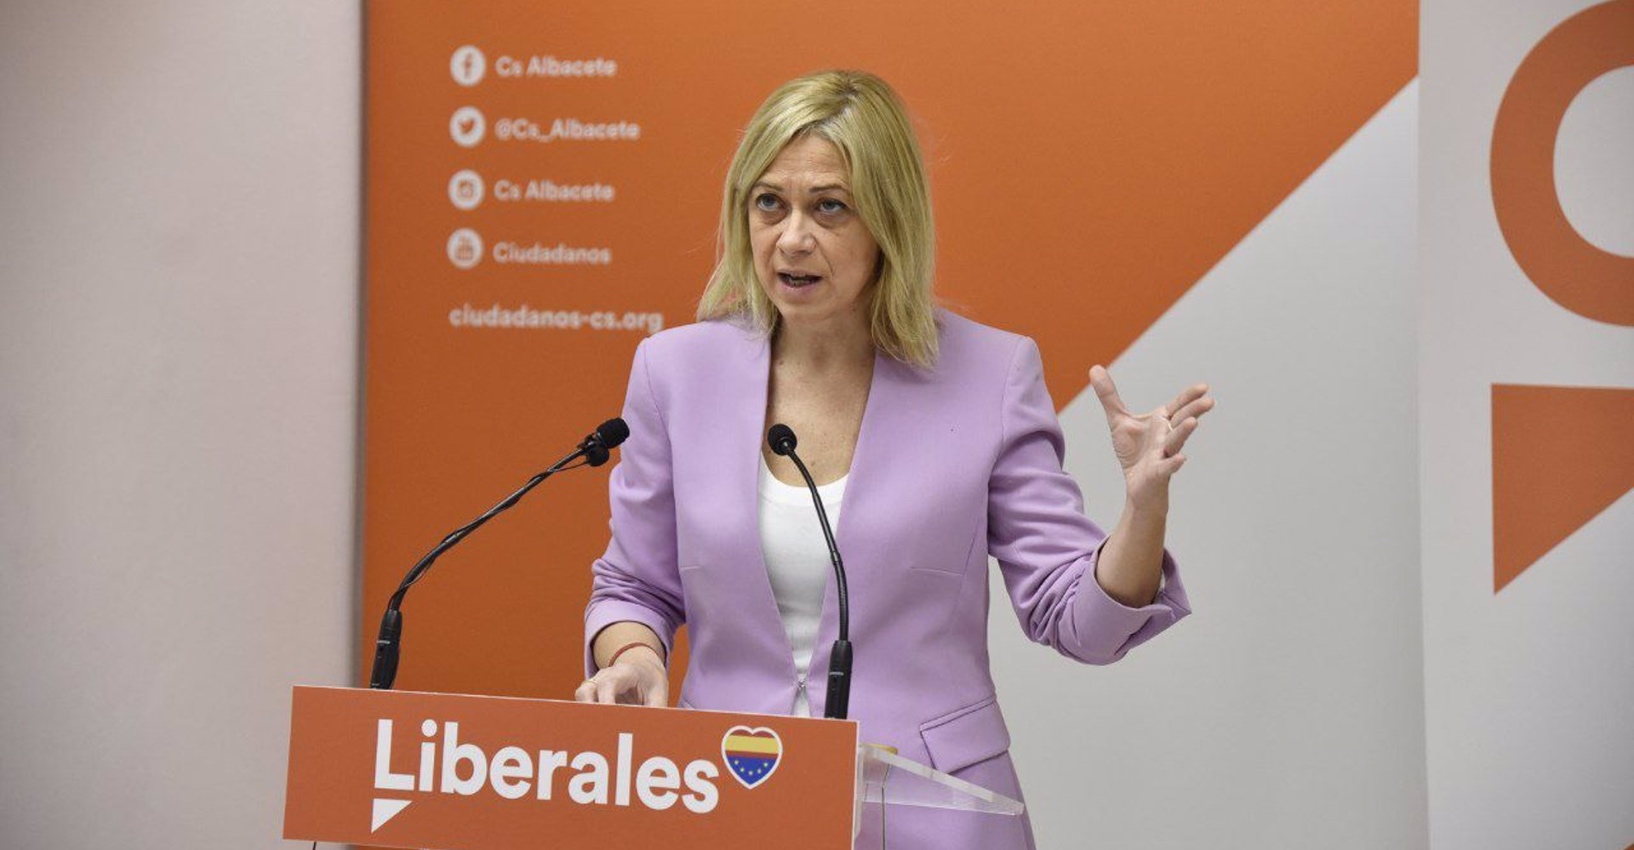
<point x="951" y="465"/>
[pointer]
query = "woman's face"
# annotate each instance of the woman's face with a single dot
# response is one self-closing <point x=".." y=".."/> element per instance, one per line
<point x="814" y="257"/>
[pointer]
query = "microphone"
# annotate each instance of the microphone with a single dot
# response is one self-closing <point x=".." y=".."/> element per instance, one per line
<point x="781" y="439"/>
<point x="607" y="436"/>
<point x="838" y="703"/>
<point x="594" y="450"/>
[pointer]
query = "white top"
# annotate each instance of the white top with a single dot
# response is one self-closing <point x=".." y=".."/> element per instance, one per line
<point x="791" y="539"/>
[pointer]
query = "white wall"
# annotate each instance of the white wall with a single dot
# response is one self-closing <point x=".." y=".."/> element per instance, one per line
<point x="1528" y="689"/>
<point x="178" y="333"/>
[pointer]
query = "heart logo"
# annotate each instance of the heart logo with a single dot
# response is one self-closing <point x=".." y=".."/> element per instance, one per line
<point x="751" y="754"/>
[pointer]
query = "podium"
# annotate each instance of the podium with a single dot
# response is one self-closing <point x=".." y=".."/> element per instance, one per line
<point x="458" y="772"/>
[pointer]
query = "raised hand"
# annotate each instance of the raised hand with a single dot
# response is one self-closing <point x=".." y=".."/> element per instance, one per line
<point x="1148" y="444"/>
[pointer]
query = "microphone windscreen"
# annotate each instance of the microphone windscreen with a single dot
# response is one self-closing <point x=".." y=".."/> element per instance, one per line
<point x="612" y="432"/>
<point x="781" y="439"/>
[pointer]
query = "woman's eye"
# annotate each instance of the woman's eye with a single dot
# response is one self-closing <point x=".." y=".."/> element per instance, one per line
<point x="829" y="206"/>
<point x="766" y="202"/>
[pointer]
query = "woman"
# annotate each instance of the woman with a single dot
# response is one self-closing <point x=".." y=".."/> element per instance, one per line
<point x="936" y="444"/>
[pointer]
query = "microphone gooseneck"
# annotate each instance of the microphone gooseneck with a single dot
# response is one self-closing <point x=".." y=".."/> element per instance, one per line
<point x="837" y="704"/>
<point x="594" y="449"/>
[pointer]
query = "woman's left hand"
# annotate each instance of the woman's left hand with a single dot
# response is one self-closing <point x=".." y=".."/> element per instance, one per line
<point x="1148" y="444"/>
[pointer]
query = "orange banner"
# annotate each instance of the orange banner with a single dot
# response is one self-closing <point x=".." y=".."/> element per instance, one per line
<point x="543" y="188"/>
<point x="399" y="769"/>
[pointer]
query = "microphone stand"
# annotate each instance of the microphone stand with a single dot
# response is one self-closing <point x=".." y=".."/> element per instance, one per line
<point x="837" y="704"/>
<point x="595" y="452"/>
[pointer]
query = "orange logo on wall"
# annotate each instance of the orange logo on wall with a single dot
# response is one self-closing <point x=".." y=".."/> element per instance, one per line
<point x="1560" y="455"/>
<point x="1577" y="274"/>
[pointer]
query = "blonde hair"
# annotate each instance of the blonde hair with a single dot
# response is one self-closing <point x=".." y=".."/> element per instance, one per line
<point x="866" y="122"/>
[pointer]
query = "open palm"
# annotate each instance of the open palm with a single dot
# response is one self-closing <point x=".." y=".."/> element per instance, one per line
<point x="1148" y="444"/>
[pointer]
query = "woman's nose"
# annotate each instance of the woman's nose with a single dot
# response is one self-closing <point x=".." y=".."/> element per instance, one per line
<point x="796" y="237"/>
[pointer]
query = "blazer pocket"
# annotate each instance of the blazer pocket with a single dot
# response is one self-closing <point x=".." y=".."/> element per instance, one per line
<point x="948" y="554"/>
<point x="961" y="738"/>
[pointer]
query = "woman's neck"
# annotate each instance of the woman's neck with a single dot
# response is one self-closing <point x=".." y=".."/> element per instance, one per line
<point x="826" y="348"/>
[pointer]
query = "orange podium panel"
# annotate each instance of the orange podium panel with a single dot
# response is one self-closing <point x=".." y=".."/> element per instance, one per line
<point x="403" y="769"/>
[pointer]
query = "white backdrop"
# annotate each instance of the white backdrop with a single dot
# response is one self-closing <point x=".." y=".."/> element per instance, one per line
<point x="1529" y="689"/>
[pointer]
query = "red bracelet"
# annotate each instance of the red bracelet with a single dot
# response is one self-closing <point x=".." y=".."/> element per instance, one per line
<point x="629" y="646"/>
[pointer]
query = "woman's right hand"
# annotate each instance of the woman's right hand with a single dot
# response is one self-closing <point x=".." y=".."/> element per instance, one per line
<point x="638" y="677"/>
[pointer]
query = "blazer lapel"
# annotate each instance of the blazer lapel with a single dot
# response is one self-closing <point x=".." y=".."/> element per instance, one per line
<point x="864" y="486"/>
<point x="742" y="436"/>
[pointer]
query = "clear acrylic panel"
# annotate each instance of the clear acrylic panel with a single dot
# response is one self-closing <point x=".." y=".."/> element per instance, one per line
<point x="889" y="779"/>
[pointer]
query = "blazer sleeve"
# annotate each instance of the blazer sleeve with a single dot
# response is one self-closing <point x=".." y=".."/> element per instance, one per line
<point x="637" y="579"/>
<point x="1046" y="547"/>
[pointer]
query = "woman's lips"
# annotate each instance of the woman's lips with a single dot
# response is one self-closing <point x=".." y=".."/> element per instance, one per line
<point x="798" y="280"/>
